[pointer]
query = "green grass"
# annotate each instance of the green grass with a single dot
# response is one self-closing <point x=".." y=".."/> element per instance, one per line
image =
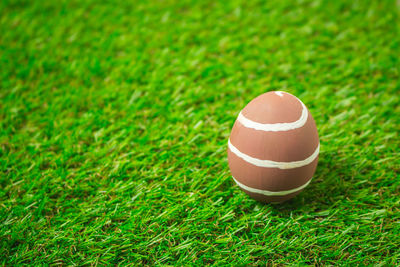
<point x="114" y="120"/>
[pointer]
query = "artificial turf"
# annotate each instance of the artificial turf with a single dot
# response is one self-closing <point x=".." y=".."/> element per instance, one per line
<point x="115" y="116"/>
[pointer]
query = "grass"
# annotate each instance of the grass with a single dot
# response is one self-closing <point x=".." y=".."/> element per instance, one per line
<point x="114" y="120"/>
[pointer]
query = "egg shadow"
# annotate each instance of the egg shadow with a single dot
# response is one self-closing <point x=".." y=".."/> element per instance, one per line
<point x="327" y="189"/>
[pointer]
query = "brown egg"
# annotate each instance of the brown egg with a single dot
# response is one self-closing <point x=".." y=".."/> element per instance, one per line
<point x="273" y="147"/>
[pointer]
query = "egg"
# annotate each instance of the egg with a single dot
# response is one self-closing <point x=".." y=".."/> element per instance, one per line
<point x="273" y="147"/>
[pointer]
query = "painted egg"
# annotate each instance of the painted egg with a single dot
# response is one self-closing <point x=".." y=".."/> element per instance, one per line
<point x="273" y="147"/>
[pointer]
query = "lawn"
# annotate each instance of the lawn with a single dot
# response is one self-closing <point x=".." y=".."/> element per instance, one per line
<point x="115" y="116"/>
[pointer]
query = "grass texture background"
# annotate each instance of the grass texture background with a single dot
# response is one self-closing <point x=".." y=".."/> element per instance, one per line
<point x="115" y="116"/>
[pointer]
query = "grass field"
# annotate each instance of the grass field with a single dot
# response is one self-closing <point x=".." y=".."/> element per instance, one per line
<point x="115" y="116"/>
